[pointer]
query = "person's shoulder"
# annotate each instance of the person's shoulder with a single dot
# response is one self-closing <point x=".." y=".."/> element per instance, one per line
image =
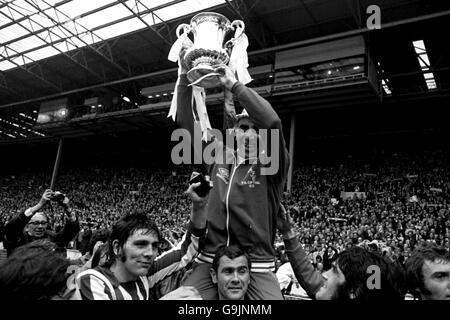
<point x="100" y="273"/>
<point x="93" y="271"/>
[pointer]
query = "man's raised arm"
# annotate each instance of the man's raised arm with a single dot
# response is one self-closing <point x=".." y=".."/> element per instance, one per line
<point x="72" y="226"/>
<point x="310" y="279"/>
<point x="189" y="247"/>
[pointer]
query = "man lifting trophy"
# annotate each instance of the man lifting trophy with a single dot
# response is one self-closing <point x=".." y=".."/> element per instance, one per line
<point x="244" y="201"/>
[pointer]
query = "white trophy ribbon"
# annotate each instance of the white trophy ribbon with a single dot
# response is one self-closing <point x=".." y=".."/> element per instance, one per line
<point x="239" y="58"/>
<point x="199" y="96"/>
<point x="173" y="56"/>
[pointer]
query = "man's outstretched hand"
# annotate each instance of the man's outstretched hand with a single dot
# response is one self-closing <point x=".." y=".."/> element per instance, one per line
<point x="198" y="212"/>
<point x="227" y="77"/>
<point x="184" y="68"/>
<point x="196" y="199"/>
<point x="285" y="223"/>
<point x="46" y="196"/>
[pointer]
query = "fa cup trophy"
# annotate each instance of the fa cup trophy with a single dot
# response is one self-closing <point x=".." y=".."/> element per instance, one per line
<point x="212" y="48"/>
<point x="209" y="50"/>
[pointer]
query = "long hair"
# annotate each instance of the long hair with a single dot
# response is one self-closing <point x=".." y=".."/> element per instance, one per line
<point x="124" y="228"/>
<point x="355" y="263"/>
<point x="414" y="264"/>
<point x="35" y="271"/>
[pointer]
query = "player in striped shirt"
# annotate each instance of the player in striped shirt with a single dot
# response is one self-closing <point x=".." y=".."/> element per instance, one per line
<point x="133" y="267"/>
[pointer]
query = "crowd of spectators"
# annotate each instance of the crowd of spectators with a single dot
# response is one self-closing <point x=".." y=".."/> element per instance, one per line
<point x="401" y="201"/>
<point x="102" y="195"/>
<point x="395" y="202"/>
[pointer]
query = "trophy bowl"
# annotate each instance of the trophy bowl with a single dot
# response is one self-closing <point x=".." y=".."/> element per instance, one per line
<point x="209" y="50"/>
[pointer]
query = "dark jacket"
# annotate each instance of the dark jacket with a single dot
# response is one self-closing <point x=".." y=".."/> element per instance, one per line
<point x="308" y="277"/>
<point x="15" y="235"/>
<point x="243" y="204"/>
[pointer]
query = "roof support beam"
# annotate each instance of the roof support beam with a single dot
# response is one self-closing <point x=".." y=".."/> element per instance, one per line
<point x="297" y="44"/>
<point x="138" y="15"/>
<point x="57" y="41"/>
<point x="4" y="85"/>
<point x="356" y="11"/>
<point x="240" y="8"/>
<point x="308" y="11"/>
<point x="102" y="50"/>
<point x="106" y="6"/>
<point x="28" y="68"/>
<point x="79" y="61"/>
<point x="60" y="3"/>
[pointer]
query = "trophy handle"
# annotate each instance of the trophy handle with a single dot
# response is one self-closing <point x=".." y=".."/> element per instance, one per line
<point x="185" y="27"/>
<point x="239" y="25"/>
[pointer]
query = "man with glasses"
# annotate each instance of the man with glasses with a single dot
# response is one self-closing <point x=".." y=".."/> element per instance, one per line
<point x="33" y="224"/>
<point x="244" y="201"/>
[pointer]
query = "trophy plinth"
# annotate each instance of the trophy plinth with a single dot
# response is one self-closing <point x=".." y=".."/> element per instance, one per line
<point x="203" y="63"/>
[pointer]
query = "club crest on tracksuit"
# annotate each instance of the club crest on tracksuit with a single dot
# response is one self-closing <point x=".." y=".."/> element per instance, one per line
<point x="223" y="174"/>
<point x="250" y="178"/>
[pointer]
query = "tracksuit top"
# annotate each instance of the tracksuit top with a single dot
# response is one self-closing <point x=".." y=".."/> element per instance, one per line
<point x="243" y="204"/>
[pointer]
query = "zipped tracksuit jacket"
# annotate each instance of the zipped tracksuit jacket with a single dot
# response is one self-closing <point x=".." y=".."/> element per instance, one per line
<point x="243" y="204"/>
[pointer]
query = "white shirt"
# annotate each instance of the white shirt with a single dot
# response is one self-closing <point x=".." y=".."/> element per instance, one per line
<point x="285" y="275"/>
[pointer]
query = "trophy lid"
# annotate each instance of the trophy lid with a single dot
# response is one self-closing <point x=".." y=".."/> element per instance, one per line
<point x="221" y="20"/>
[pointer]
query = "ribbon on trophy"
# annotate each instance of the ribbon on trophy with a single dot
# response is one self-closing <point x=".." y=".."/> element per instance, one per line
<point x="239" y="58"/>
<point x="174" y="56"/>
<point x="199" y="97"/>
<point x="198" y="93"/>
<point x="238" y="64"/>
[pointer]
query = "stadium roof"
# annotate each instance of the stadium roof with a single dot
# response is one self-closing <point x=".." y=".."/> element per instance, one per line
<point x="36" y="29"/>
<point x="50" y="49"/>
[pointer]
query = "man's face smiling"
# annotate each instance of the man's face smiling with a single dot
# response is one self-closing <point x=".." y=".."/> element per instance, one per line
<point x="37" y="225"/>
<point x="247" y="136"/>
<point x="333" y="281"/>
<point x="232" y="278"/>
<point x="139" y="251"/>
<point x="436" y="279"/>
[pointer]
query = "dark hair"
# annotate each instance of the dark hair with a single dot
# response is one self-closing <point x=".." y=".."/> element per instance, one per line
<point x="125" y="227"/>
<point x="35" y="271"/>
<point x="355" y="262"/>
<point x="96" y="258"/>
<point x="414" y="264"/>
<point x="231" y="252"/>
